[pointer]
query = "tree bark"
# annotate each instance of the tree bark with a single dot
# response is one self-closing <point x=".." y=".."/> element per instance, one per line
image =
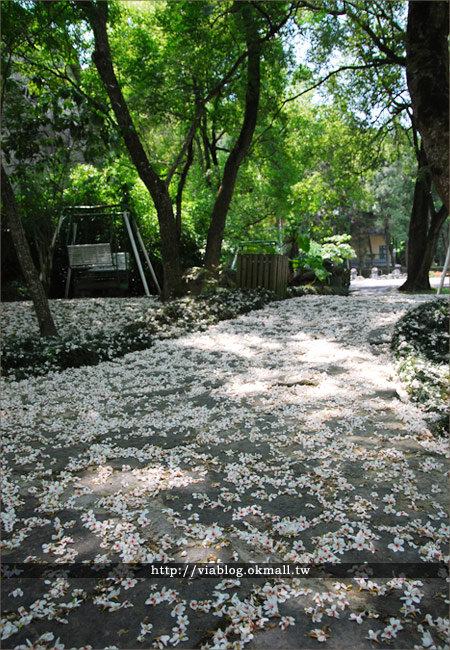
<point x="241" y="147"/>
<point x="445" y="237"/>
<point x="387" y="237"/>
<point x="427" y="61"/>
<point x="372" y="256"/>
<point x="97" y="14"/>
<point x="419" y="280"/>
<point x="181" y="184"/>
<point x="46" y="265"/>
<point x="11" y="210"/>
<point x="436" y="223"/>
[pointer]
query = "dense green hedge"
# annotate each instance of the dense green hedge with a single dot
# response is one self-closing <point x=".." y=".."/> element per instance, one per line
<point x="421" y="346"/>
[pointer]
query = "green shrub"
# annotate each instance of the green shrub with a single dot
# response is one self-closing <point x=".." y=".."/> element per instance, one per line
<point x="420" y="343"/>
<point x="319" y="290"/>
<point x="425" y="331"/>
<point x="15" y="290"/>
<point x="35" y="355"/>
<point x="314" y="256"/>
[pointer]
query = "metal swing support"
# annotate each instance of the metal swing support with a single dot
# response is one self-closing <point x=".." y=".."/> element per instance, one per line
<point x="100" y="255"/>
<point x="444" y="272"/>
<point x="129" y="222"/>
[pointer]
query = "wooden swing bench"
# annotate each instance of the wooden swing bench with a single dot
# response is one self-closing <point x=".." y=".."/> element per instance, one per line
<point x="97" y="267"/>
<point x="84" y="256"/>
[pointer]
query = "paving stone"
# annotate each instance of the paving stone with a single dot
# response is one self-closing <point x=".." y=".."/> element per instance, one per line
<point x="274" y="411"/>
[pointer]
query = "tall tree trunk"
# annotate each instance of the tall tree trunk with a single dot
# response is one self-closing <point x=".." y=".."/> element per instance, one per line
<point x="181" y="184"/>
<point x="97" y="14"/>
<point x="372" y="256"/>
<point x="391" y="251"/>
<point x="445" y="237"/>
<point x="427" y="61"/>
<point x="241" y="147"/>
<point x="436" y="223"/>
<point x="423" y="231"/>
<point x="418" y="228"/>
<point x="45" y="254"/>
<point x="11" y="211"/>
<point x="387" y="237"/>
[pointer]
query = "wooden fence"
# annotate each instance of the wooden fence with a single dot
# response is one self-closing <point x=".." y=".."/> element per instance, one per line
<point x="265" y="271"/>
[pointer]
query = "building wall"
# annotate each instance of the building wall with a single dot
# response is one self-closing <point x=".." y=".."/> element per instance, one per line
<point x="361" y="245"/>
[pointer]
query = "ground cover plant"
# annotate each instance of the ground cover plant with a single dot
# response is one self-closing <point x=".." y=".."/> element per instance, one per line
<point x="311" y="290"/>
<point x="35" y="355"/>
<point x="29" y="355"/>
<point x="421" y="345"/>
<point x="277" y="436"/>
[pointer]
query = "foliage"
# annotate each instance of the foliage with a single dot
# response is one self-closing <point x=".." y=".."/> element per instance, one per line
<point x="335" y="155"/>
<point x="334" y="249"/>
<point x="34" y="356"/>
<point x="15" y="290"/>
<point x="313" y="164"/>
<point x="307" y="172"/>
<point x="311" y="290"/>
<point x="365" y="41"/>
<point x="186" y="314"/>
<point x="337" y="248"/>
<point x="420" y="343"/>
<point x="48" y="122"/>
<point x="424" y="330"/>
<point x="118" y="182"/>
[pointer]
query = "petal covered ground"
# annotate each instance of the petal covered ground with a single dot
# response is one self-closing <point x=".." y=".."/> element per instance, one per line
<point x="281" y="436"/>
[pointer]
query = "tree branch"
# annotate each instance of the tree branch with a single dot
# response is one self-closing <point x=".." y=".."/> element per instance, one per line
<point x="374" y="64"/>
<point x="381" y="45"/>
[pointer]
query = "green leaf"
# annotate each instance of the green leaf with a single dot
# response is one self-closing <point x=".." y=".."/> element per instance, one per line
<point x="321" y="273"/>
<point x="304" y="243"/>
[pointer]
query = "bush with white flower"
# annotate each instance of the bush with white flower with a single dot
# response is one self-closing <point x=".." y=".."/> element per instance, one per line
<point x="32" y="355"/>
<point x="420" y="344"/>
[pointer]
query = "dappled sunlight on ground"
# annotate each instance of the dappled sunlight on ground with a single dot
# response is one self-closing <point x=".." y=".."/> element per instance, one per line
<point x="277" y="437"/>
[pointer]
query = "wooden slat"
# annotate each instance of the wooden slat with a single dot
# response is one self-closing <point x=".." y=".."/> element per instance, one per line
<point x="267" y="268"/>
<point x="273" y="275"/>
<point x="262" y="263"/>
<point x="267" y="271"/>
<point x="281" y="278"/>
<point x="285" y="273"/>
<point x="251" y="267"/>
<point x="245" y="272"/>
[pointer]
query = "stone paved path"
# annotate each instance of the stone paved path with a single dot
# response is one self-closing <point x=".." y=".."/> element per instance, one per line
<point x="281" y="437"/>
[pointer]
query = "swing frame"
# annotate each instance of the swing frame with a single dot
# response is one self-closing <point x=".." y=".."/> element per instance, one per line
<point x="100" y="263"/>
